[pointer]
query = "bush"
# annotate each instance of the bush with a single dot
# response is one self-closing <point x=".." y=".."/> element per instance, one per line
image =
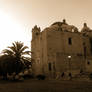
<point x="28" y="74"/>
<point x="41" y="77"/>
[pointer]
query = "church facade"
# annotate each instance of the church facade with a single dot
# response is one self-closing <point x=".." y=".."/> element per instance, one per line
<point x="61" y="48"/>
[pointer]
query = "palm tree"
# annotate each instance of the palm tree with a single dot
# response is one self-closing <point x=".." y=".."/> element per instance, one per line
<point x="18" y="52"/>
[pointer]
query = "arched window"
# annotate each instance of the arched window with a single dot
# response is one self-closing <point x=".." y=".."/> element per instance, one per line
<point x="49" y="66"/>
<point x="70" y="41"/>
<point x="88" y="63"/>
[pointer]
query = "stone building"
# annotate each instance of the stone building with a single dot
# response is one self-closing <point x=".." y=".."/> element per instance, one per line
<point x="61" y="48"/>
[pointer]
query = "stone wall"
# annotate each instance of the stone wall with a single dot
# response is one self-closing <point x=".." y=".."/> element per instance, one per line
<point x="60" y="51"/>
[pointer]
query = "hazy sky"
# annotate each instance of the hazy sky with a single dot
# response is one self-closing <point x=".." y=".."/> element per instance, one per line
<point x="17" y="17"/>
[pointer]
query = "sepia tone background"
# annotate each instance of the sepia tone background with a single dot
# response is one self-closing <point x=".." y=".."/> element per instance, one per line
<point x="17" y="17"/>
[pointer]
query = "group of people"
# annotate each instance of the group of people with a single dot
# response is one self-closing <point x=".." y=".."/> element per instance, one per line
<point x="63" y="75"/>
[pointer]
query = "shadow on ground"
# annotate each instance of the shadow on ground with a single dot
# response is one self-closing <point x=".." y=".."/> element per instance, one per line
<point x="45" y="86"/>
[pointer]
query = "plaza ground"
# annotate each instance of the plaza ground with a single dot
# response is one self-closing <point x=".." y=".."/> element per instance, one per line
<point x="31" y="85"/>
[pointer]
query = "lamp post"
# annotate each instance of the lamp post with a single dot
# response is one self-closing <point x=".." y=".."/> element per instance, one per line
<point x="69" y="57"/>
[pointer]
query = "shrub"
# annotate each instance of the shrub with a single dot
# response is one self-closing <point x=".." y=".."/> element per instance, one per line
<point x="41" y="77"/>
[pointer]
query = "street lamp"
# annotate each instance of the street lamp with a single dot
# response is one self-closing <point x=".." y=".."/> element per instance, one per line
<point x="69" y="57"/>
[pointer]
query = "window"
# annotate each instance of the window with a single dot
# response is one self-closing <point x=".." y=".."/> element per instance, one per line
<point x="81" y="71"/>
<point x="38" y="61"/>
<point x="85" y="51"/>
<point x="37" y="33"/>
<point x="65" y="30"/>
<point x="49" y="65"/>
<point x="54" y="66"/>
<point x="69" y="41"/>
<point x="83" y="43"/>
<point x="88" y="63"/>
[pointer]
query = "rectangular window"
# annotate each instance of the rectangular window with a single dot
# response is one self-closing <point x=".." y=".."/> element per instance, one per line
<point x="85" y="49"/>
<point x="54" y="66"/>
<point x="70" y="41"/>
<point x="49" y="65"/>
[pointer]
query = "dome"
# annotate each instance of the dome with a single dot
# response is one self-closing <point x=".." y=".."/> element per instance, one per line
<point x="63" y="26"/>
<point x="59" y="23"/>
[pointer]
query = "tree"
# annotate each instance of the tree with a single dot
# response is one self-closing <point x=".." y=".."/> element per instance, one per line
<point x="7" y="65"/>
<point x="14" y="59"/>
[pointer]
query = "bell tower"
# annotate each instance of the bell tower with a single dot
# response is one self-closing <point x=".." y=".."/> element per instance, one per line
<point x="35" y="32"/>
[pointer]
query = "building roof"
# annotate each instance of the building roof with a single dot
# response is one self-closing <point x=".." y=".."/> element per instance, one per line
<point x="58" y="23"/>
<point x="63" y="26"/>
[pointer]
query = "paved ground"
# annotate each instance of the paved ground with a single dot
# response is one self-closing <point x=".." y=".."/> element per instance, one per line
<point x="46" y="86"/>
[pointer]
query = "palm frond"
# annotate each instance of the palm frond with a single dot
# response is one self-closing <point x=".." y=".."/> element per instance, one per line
<point x="17" y="49"/>
<point x="19" y="45"/>
<point x="26" y="53"/>
<point x="14" y="45"/>
<point x="23" y="48"/>
<point x="8" y="52"/>
<point x="12" y="48"/>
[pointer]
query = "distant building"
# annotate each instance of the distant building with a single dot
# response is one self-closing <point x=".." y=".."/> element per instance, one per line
<point x="61" y="48"/>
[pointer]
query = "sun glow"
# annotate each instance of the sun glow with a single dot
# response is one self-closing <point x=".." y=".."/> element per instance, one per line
<point x="10" y="31"/>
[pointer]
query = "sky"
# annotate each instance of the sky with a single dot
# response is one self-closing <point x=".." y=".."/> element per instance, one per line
<point x="18" y="17"/>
